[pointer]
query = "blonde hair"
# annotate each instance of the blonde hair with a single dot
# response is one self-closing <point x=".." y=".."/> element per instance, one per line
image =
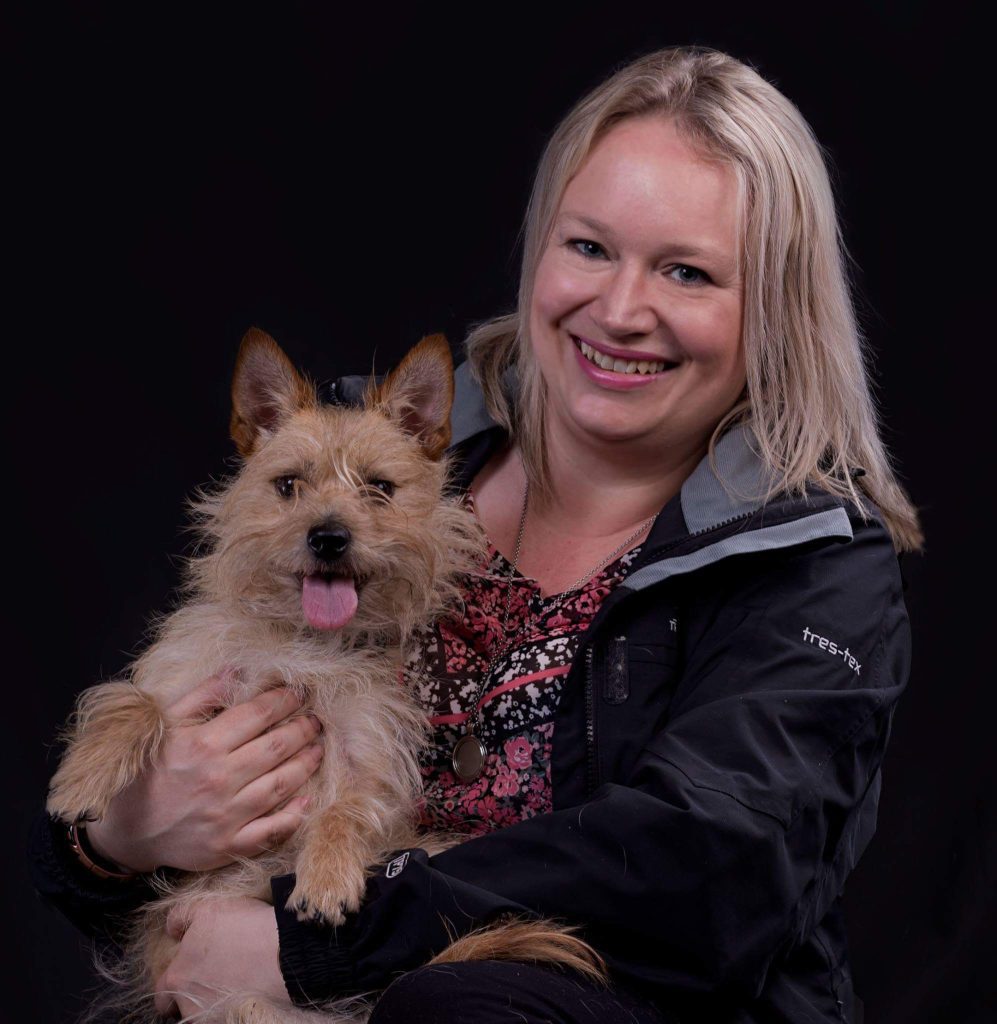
<point x="808" y="396"/>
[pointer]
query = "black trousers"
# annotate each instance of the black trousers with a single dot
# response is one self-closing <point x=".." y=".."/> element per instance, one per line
<point x="493" y="991"/>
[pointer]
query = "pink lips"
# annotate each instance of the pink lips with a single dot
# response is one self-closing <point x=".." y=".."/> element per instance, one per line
<point x="617" y="381"/>
<point x="627" y="355"/>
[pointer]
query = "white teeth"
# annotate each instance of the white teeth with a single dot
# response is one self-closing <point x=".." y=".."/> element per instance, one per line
<point x="618" y="365"/>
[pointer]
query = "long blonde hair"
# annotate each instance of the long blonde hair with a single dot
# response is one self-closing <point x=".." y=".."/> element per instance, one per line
<point x="808" y="396"/>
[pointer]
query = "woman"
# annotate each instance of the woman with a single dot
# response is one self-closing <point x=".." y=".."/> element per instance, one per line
<point x="674" y="687"/>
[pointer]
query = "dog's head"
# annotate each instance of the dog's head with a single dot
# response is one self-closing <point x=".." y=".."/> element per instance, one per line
<point x="337" y="520"/>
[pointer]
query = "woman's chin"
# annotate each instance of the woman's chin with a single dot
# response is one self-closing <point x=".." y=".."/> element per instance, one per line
<point x="598" y="432"/>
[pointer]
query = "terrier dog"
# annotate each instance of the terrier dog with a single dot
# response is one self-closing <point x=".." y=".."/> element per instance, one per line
<point x="333" y="541"/>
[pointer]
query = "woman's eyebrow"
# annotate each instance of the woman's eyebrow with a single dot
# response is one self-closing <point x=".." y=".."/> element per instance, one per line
<point x="669" y="249"/>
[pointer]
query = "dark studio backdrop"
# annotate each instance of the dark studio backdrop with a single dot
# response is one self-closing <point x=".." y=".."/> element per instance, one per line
<point x="350" y="181"/>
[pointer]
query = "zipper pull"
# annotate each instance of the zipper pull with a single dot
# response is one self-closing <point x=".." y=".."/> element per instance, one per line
<point x="616" y="685"/>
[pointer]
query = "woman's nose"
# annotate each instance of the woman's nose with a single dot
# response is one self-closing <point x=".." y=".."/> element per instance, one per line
<point x="624" y="305"/>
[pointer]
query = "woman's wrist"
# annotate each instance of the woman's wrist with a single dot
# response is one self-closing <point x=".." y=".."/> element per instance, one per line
<point x="87" y="841"/>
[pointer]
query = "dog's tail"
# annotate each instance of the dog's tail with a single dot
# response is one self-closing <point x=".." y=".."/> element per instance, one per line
<point x="543" y="942"/>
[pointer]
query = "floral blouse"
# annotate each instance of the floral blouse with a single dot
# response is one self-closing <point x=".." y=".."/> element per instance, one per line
<point x="445" y="666"/>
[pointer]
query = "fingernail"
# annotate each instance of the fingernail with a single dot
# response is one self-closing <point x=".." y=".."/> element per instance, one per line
<point x="315" y="722"/>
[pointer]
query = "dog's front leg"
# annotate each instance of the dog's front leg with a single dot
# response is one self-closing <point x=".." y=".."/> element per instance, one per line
<point x="340" y="844"/>
<point x="114" y="735"/>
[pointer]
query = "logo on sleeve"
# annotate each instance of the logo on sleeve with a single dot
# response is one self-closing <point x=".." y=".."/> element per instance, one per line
<point x="395" y="867"/>
<point x="832" y="648"/>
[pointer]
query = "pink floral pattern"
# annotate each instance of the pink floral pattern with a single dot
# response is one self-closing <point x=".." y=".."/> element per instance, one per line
<point x="447" y="663"/>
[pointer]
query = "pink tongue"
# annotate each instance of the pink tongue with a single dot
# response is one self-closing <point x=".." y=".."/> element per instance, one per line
<point x="328" y="604"/>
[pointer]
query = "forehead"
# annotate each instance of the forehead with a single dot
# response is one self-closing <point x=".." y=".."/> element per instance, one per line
<point x="328" y="434"/>
<point x="644" y="180"/>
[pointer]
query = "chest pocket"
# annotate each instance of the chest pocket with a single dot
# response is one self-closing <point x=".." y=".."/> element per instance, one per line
<point x="627" y="664"/>
<point x="636" y="680"/>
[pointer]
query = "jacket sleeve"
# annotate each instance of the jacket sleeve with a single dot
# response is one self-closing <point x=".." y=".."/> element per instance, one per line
<point x="735" y="831"/>
<point x="96" y="906"/>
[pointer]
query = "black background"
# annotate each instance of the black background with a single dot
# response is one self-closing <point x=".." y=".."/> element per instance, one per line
<point x="352" y="180"/>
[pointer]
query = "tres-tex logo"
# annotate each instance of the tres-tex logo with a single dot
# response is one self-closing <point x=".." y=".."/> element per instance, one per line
<point x="395" y="867"/>
<point x="832" y="648"/>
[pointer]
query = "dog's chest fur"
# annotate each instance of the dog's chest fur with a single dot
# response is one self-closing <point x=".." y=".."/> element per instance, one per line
<point x="371" y="722"/>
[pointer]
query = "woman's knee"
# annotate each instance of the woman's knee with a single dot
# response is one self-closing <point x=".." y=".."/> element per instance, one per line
<point x="498" y="991"/>
<point x="435" y="993"/>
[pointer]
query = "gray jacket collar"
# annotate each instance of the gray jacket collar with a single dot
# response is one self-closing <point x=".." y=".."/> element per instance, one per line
<point x="711" y="521"/>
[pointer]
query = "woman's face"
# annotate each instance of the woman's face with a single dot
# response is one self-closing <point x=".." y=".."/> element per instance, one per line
<point x="640" y="267"/>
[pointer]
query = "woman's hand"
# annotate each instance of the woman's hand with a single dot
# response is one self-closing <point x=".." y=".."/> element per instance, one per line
<point x="226" y="946"/>
<point x="212" y="794"/>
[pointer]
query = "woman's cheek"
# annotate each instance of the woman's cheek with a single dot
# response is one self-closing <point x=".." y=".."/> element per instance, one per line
<point x="708" y="333"/>
<point x="559" y="289"/>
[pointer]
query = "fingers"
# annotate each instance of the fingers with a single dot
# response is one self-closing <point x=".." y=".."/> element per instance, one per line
<point x="165" y="993"/>
<point x="244" y="722"/>
<point x="177" y="922"/>
<point x="273" y="748"/>
<point x="165" y="1005"/>
<point x="269" y="831"/>
<point x="208" y="696"/>
<point x="262" y="795"/>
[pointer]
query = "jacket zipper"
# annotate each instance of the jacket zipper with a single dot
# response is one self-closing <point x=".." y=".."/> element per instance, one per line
<point x="592" y="761"/>
<point x="592" y="764"/>
<point x="723" y="523"/>
<point x="649" y="557"/>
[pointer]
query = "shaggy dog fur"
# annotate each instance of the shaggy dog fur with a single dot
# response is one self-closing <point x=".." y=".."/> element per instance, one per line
<point x="319" y="557"/>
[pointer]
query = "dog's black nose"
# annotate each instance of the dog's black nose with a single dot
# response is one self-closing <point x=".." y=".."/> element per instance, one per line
<point x="328" y="541"/>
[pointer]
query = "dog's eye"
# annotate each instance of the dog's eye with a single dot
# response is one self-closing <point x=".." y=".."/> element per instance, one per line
<point x="381" y="488"/>
<point x="285" y="485"/>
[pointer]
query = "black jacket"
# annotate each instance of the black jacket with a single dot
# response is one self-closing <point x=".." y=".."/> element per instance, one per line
<point x="715" y="768"/>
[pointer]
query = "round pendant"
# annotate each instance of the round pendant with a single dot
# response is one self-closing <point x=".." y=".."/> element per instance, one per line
<point x="468" y="757"/>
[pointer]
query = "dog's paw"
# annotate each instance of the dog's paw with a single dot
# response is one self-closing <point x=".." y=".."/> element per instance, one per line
<point x="327" y="903"/>
<point x="320" y="908"/>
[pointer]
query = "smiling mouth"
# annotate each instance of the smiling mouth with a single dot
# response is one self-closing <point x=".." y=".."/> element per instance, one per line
<point x="635" y="367"/>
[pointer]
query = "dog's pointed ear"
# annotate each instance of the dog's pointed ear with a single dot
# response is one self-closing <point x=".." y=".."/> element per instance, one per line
<point x="266" y="389"/>
<point x="418" y="394"/>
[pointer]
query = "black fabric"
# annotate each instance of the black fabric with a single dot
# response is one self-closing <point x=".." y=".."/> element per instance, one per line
<point x="319" y="962"/>
<point x="313" y="971"/>
<point x="500" y="992"/>
<point x="345" y="390"/>
<point x="95" y="905"/>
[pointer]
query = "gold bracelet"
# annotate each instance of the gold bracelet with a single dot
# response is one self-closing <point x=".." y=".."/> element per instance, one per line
<point x="86" y="857"/>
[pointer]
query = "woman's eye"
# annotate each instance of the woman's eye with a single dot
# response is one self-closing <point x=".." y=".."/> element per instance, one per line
<point x="576" y="242"/>
<point x="381" y="488"/>
<point x="285" y="485"/>
<point x="699" y="278"/>
<point x="592" y="250"/>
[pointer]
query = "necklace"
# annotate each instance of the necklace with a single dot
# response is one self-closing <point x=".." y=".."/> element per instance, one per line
<point x="469" y="752"/>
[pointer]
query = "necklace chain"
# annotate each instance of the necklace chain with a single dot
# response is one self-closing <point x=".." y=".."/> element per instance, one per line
<point x="469" y="752"/>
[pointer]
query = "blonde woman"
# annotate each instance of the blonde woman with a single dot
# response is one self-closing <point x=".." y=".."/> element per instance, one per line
<point x="663" y="715"/>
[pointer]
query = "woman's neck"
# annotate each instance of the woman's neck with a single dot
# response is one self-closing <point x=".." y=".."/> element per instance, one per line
<point x="610" y="488"/>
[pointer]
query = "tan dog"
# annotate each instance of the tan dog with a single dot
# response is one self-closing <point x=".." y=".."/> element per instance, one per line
<point x="332" y="542"/>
